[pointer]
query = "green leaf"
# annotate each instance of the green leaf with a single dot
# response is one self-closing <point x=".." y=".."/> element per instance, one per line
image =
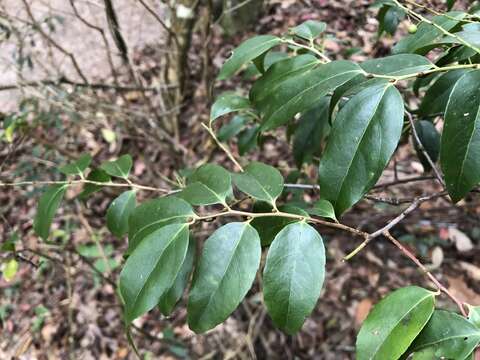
<point x="436" y="97"/>
<point x="448" y="336"/>
<point x="301" y="91"/>
<point x="397" y="65"/>
<point x="227" y="103"/>
<point x="247" y="139"/>
<point x="276" y="75"/>
<point x="269" y="226"/>
<point x="47" y="207"/>
<point x="118" y="168"/>
<point x="232" y="128"/>
<point x="293" y="275"/>
<point x="309" y="30"/>
<point x="430" y="139"/>
<point x="154" y="214"/>
<point x="260" y="181"/>
<point x="9" y="270"/>
<point x="469" y="36"/>
<point x="310" y="131"/>
<point x="119" y="211"/>
<point x="97" y="175"/>
<point x="427" y="34"/>
<point x="474" y="315"/>
<point x="364" y="136"/>
<point x="246" y="52"/>
<point x="173" y="295"/>
<point x="227" y="268"/>
<point x="460" y="145"/>
<point x="210" y="184"/>
<point x="394" y="323"/>
<point x="152" y="268"/>
<point x="388" y="18"/>
<point x="77" y="167"/>
<point x="455" y="54"/>
<point x="323" y="208"/>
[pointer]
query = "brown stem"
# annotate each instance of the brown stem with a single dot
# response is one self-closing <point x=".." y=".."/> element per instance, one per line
<point x="422" y="267"/>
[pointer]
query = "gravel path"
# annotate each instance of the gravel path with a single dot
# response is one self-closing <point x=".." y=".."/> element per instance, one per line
<point x="138" y="27"/>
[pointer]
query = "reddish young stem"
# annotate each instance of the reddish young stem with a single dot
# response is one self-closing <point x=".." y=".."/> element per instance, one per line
<point x="417" y="262"/>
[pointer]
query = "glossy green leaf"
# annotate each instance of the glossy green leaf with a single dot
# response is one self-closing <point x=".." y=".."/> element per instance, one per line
<point x="246" y="52"/>
<point x="397" y="65"/>
<point x="154" y="214"/>
<point x="455" y="54"/>
<point x="118" y="168"/>
<point x="232" y="128"/>
<point x="301" y="91"/>
<point x="311" y="130"/>
<point x="436" y="97"/>
<point x="77" y="167"/>
<point x="350" y="88"/>
<point x="469" y="36"/>
<point x="227" y="268"/>
<point x="426" y="34"/>
<point x="96" y="175"/>
<point x="293" y="275"/>
<point x="260" y="181"/>
<point x="247" y="139"/>
<point x="448" y="336"/>
<point x="276" y="76"/>
<point x="47" y="207"/>
<point x="152" y="268"/>
<point x="323" y="208"/>
<point x="388" y="19"/>
<point x="209" y="184"/>
<point x="394" y="323"/>
<point x="460" y="145"/>
<point x="269" y="226"/>
<point x="227" y="103"/>
<point x="474" y="315"/>
<point x="173" y="295"/>
<point x="364" y="136"/>
<point x="309" y="30"/>
<point x="430" y="139"/>
<point x="119" y="211"/>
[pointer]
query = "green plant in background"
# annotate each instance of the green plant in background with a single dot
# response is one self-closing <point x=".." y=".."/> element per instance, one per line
<point x="345" y="117"/>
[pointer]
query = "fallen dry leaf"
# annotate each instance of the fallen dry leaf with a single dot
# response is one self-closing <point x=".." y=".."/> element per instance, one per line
<point x="462" y="292"/>
<point x="460" y="239"/>
<point x="363" y="308"/>
<point x="472" y="270"/>
<point x="437" y="257"/>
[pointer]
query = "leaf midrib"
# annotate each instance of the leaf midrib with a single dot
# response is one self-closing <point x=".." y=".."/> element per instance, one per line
<point x="282" y="78"/>
<point x="157" y="222"/>
<point x="295" y="245"/>
<point x="399" y="320"/>
<point x="359" y="142"/>
<point x="294" y="99"/>
<point x="172" y="240"/>
<point x="224" y="272"/>
<point x="476" y="334"/>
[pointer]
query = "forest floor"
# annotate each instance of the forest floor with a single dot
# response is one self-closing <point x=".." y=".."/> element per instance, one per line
<point x="57" y="307"/>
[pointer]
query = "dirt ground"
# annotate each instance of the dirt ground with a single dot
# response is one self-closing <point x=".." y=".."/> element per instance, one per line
<point x="60" y="308"/>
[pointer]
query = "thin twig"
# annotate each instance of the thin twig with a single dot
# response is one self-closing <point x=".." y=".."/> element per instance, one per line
<point x="422" y="149"/>
<point x="417" y="262"/>
<point x="413" y="206"/>
<point x="85" y="181"/>
<point x="223" y="147"/>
